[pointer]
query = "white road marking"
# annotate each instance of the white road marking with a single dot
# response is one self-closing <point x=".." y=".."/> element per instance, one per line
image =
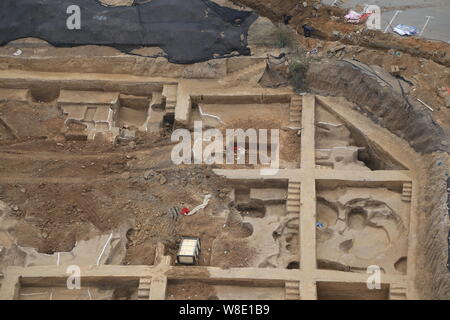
<point x="425" y="25"/>
<point x="392" y="20"/>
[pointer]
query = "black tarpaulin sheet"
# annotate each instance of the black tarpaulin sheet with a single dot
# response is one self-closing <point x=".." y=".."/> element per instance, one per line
<point x="187" y="30"/>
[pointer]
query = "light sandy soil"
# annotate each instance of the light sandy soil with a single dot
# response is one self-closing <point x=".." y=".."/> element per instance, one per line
<point x="66" y="191"/>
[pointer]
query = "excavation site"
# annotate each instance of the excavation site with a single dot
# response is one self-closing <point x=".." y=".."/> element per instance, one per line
<point x="223" y="150"/>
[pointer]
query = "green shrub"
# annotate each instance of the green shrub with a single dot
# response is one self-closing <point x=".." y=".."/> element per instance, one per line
<point x="298" y="66"/>
<point x="284" y="39"/>
<point x="297" y="57"/>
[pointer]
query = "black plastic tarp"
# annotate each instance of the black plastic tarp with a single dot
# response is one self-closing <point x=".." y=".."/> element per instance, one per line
<point x="187" y="30"/>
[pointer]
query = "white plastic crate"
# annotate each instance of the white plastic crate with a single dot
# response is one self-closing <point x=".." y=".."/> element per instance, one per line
<point x="189" y="250"/>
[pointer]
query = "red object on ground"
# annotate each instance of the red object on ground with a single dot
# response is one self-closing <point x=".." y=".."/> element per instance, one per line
<point x="184" y="211"/>
<point x="365" y="16"/>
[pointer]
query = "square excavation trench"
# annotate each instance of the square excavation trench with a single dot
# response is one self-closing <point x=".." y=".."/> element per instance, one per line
<point x="342" y="146"/>
<point x="56" y="289"/>
<point x="133" y="111"/>
<point x="350" y="291"/>
<point x="268" y="116"/>
<point x="95" y="107"/>
<point x="271" y="231"/>
<point x="234" y="290"/>
<point x="360" y="225"/>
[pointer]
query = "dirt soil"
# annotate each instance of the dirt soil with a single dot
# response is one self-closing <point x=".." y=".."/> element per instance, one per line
<point x="190" y="290"/>
<point x="422" y="62"/>
<point x="62" y="191"/>
<point x="289" y="140"/>
<point x="325" y="19"/>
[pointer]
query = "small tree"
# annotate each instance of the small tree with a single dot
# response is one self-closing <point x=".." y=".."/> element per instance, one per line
<point x="298" y="67"/>
<point x="284" y="39"/>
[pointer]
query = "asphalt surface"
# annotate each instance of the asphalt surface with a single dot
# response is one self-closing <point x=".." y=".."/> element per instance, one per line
<point x="413" y="12"/>
<point x="187" y="30"/>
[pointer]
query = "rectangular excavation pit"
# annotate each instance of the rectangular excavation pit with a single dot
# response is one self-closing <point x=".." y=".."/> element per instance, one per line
<point x="144" y="113"/>
<point x="95" y="110"/>
<point x="250" y="118"/>
<point x="101" y="106"/>
<point x="342" y="146"/>
<point x="224" y="290"/>
<point x="362" y="224"/>
<point x="14" y="95"/>
<point x="350" y="291"/>
<point x="130" y="117"/>
<point x="257" y="202"/>
<point x="105" y="288"/>
<point x="263" y="208"/>
<point x="112" y="111"/>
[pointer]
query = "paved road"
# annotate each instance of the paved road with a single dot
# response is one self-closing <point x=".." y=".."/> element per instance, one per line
<point x="414" y="12"/>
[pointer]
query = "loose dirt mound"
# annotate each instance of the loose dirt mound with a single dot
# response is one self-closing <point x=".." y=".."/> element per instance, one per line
<point x="329" y="24"/>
